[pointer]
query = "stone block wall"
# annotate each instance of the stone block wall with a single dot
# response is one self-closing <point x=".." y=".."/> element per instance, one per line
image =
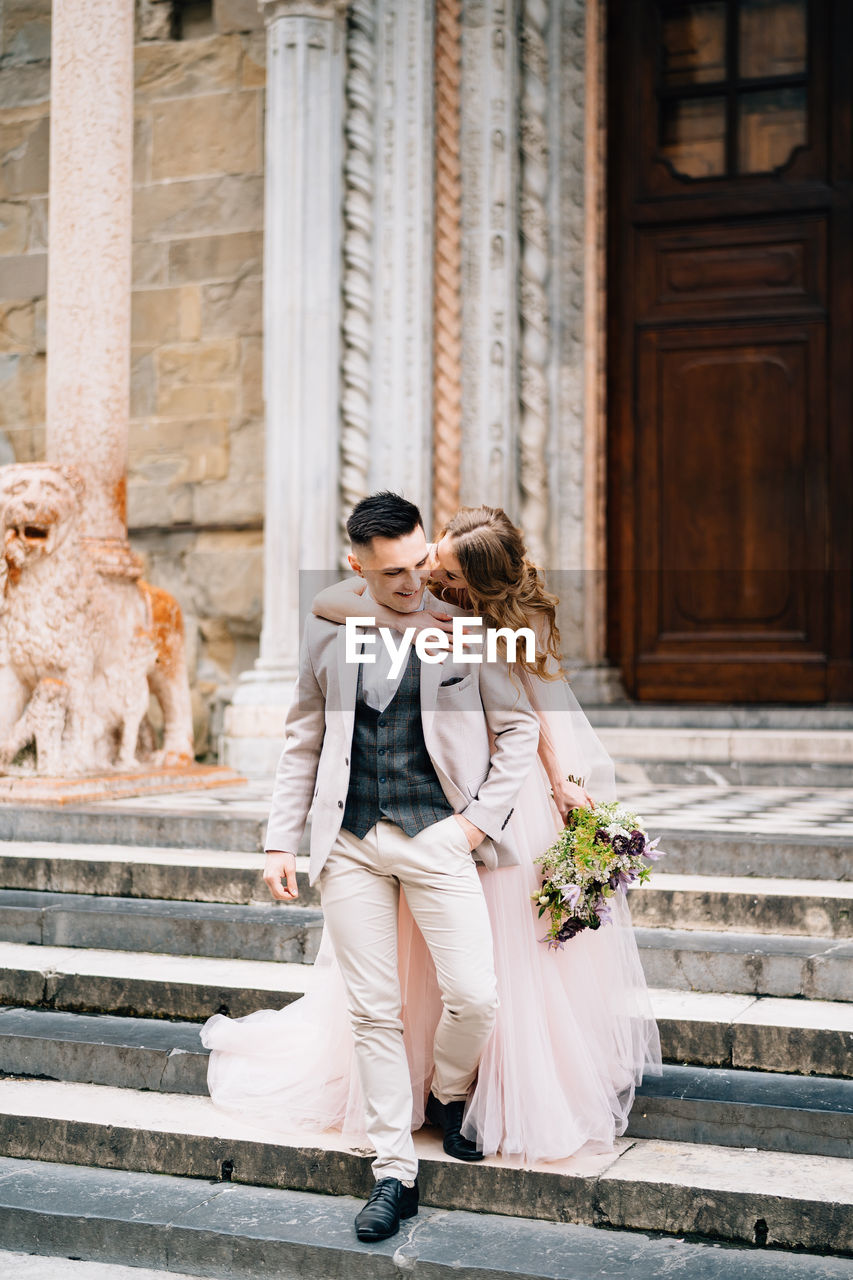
<point x="195" y="478"/>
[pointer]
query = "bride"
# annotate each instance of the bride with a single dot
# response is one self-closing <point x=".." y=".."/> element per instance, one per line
<point x="575" y="1031"/>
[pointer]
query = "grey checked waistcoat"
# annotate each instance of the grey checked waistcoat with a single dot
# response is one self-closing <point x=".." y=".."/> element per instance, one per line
<point x="392" y="775"/>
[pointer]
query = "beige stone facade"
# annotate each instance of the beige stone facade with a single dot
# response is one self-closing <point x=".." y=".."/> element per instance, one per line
<point x="202" y="466"/>
<point x="195" y="478"/>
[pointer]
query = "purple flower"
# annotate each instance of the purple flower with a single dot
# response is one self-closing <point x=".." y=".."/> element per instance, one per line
<point x="602" y="910"/>
<point x="621" y="844"/>
<point x="571" y="895"/>
<point x="601" y="836"/>
<point x="652" y="852"/>
<point x="569" y="929"/>
<point x="637" y="843"/>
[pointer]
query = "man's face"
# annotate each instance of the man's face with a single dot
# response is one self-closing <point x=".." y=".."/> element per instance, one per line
<point x="395" y="570"/>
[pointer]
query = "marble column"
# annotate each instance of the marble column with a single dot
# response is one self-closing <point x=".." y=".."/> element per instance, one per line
<point x="89" y="265"/>
<point x="302" y="355"/>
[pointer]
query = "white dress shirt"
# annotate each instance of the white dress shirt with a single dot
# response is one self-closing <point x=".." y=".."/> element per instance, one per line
<point x="377" y="685"/>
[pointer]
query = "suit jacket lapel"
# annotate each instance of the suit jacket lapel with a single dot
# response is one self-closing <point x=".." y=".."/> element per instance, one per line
<point x="431" y="673"/>
<point x="347" y="683"/>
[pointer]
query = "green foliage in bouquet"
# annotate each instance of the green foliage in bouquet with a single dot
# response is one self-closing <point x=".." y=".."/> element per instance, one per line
<point x="599" y="852"/>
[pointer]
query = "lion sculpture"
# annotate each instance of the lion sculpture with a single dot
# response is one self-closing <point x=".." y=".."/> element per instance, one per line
<point x="80" y="651"/>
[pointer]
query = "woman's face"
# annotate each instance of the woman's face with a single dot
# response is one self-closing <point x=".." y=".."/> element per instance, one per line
<point x="445" y="567"/>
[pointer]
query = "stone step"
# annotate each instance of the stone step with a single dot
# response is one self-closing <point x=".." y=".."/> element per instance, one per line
<point x="808" y="908"/>
<point x="142" y="871"/>
<point x="773" y="1034"/>
<point x="41" y="1266"/>
<point x="219" y="826"/>
<point x="748" y="963"/>
<point x="188" y="1228"/>
<point x="139" y="983"/>
<point x="276" y="931"/>
<point x="706" y="715"/>
<point x="644" y="1185"/>
<point x="712" y="960"/>
<point x="812" y="1115"/>
<point x="688" y="1104"/>
<point x="803" y="1037"/>
<point x="132" y="1053"/>
<point x="684" y="744"/>
<point x="737" y="773"/>
<point x="679" y="753"/>
<point x="234" y="875"/>
<point x="714" y="853"/>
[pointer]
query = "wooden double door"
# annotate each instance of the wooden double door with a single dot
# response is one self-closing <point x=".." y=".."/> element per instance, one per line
<point x="730" y="349"/>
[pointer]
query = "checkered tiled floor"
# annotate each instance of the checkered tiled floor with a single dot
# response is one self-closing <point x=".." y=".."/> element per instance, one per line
<point x="767" y="810"/>
<point x="760" y="810"/>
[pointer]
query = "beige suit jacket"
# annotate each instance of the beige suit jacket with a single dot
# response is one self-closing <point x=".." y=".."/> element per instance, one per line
<point x="479" y="777"/>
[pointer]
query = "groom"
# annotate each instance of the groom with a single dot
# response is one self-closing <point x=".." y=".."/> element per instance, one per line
<point x="405" y="786"/>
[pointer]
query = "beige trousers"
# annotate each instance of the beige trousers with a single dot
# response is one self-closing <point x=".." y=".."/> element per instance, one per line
<point x="360" y="892"/>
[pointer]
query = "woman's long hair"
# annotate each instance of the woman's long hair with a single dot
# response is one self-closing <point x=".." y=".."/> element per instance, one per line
<point x="504" y="587"/>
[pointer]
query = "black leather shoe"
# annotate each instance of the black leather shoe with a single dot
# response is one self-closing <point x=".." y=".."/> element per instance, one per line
<point x="388" y="1204"/>
<point x="448" y="1116"/>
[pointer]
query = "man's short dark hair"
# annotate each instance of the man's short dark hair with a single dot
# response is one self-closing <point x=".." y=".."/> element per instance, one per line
<point x="382" y="515"/>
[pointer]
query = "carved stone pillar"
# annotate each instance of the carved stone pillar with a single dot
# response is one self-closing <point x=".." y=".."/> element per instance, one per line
<point x="576" y="41"/>
<point x="401" y="441"/>
<point x="302" y="329"/>
<point x="88" y="289"/>
<point x="490" y="249"/>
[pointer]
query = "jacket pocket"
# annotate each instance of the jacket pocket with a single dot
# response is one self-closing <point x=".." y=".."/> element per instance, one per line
<point x="458" y="686"/>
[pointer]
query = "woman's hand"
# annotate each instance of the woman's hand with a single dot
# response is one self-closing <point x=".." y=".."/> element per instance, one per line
<point x="568" y="796"/>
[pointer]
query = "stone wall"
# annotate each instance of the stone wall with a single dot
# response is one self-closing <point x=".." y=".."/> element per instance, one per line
<point x="195" y="502"/>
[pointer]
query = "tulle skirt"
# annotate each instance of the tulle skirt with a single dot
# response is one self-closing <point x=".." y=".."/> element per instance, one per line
<point x="574" y="1033"/>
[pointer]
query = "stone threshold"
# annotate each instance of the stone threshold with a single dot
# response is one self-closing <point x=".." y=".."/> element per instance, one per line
<point x="23" y="789"/>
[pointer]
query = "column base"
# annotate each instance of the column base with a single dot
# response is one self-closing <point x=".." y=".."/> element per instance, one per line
<point x="253" y="734"/>
<point x="595" y="684"/>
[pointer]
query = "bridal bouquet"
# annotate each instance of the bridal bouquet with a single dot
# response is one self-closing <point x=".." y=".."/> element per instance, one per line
<point x="598" y="852"/>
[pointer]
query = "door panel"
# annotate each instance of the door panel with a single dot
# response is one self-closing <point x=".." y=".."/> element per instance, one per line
<point x="729" y="351"/>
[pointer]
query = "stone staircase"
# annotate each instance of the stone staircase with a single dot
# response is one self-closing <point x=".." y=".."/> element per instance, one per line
<point x="123" y="926"/>
<point x="725" y="745"/>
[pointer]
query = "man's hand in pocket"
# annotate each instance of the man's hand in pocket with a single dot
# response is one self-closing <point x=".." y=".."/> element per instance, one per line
<point x="473" y="834"/>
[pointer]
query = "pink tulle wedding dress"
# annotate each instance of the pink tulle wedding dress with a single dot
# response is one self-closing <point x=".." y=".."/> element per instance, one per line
<point x="575" y="1030"/>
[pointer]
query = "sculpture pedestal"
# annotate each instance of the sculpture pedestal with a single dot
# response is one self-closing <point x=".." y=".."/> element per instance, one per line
<point x="24" y="788"/>
<point x="254" y="723"/>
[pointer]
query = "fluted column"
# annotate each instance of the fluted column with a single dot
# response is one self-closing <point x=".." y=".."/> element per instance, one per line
<point x="302" y="328"/>
<point x="89" y="265"/>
